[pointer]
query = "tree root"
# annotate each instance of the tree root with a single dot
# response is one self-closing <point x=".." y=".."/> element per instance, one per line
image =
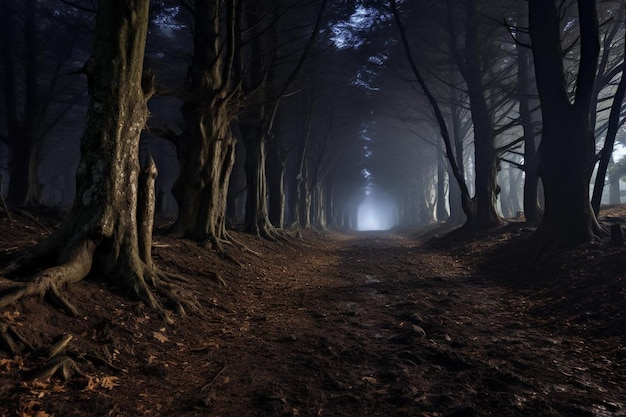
<point x="47" y="281"/>
<point x="242" y="246"/>
<point x="168" y="287"/>
<point x="59" y="346"/>
<point x="144" y="281"/>
<point x="62" y="366"/>
<point x="12" y="340"/>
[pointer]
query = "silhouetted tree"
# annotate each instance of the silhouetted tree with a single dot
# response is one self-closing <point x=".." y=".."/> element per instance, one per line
<point x="567" y="146"/>
<point x="615" y="119"/>
<point x="264" y="85"/>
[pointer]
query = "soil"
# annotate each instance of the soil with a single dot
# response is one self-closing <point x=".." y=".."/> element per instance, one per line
<point x="362" y="324"/>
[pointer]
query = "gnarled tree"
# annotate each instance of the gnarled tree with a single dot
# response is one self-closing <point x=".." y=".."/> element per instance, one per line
<point x="206" y="149"/>
<point x="104" y="226"/>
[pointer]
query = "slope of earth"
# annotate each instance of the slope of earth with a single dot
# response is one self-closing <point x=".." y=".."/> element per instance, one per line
<point x="366" y="324"/>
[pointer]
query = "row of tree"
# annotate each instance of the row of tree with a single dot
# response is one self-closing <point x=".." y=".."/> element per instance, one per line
<point x="533" y="87"/>
<point x="291" y="108"/>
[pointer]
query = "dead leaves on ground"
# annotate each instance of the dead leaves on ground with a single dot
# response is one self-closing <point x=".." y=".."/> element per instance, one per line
<point x="160" y="336"/>
<point x="105" y="382"/>
<point x="7" y="365"/>
<point x="31" y="404"/>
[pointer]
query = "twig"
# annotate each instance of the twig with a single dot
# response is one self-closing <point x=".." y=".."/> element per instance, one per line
<point x="211" y="382"/>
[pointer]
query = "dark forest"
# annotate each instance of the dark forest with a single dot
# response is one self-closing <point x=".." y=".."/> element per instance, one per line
<point x="312" y="208"/>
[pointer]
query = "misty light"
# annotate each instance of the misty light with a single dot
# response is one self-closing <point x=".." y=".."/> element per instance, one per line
<point x="377" y="211"/>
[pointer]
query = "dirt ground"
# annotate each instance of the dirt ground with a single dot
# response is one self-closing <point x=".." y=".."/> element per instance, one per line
<point x="367" y="324"/>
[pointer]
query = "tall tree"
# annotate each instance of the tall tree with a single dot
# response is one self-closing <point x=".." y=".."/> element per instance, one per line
<point x="206" y="148"/>
<point x="105" y="226"/>
<point x="264" y="89"/>
<point x="567" y="146"/>
<point x="470" y="61"/>
<point x="466" y="202"/>
<point x="615" y="119"/>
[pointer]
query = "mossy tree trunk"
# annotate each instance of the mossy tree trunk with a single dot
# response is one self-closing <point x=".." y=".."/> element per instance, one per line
<point x="256" y="119"/>
<point x="206" y="150"/>
<point x="103" y="225"/>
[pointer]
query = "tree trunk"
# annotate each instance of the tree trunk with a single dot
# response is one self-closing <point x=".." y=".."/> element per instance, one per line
<point x="615" y="194"/>
<point x="609" y="141"/>
<point x="235" y="204"/>
<point x="442" y="212"/>
<point x="103" y="222"/>
<point x="532" y="211"/>
<point x="206" y="152"/>
<point x="485" y="197"/>
<point x="276" y="184"/>
<point x="457" y="215"/>
<point x="257" y="218"/>
<point x="466" y="202"/>
<point x="302" y="208"/>
<point x="567" y="147"/>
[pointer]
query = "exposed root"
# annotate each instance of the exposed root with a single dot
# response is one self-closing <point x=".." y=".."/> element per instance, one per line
<point x="61" y="301"/>
<point x="144" y="292"/>
<point x="144" y="281"/>
<point x="48" y="280"/>
<point x="61" y="366"/>
<point x="59" y="346"/>
<point x="12" y="340"/>
<point x="95" y="358"/>
<point x="176" y="296"/>
<point x="268" y="234"/>
<point x="242" y="246"/>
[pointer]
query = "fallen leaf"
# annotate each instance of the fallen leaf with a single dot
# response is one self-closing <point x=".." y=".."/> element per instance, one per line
<point x="92" y="383"/>
<point x="369" y="379"/>
<point x="109" y="382"/>
<point x="160" y="337"/>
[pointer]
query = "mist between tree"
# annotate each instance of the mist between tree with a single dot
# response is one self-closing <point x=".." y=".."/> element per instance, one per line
<point x="308" y="107"/>
<point x="377" y="211"/>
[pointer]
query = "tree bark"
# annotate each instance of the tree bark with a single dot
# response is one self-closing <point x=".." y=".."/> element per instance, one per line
<point x="567" y="147"/>
<point x="532" y="211"/>
<point x="102" y="225"/>
<point x="609" y="140"/>
<point x="257" y="217"/>
<point x="206" y="151"/>
<point x="457" y="215"/>
<point x="276" y="168"/>
<point x="442" y="212"/>
<point x="486" y="164"/>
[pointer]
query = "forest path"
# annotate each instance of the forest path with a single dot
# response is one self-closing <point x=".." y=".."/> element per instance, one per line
<point x="367" y="324"/>
<point x="374" y="324"/>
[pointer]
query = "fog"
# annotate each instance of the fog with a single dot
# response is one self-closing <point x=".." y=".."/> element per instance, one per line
<point x="377" y="211"/>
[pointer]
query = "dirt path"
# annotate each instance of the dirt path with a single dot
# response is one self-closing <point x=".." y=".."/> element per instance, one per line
<point x="363" y="325"/>
<point x="375" y="325"/>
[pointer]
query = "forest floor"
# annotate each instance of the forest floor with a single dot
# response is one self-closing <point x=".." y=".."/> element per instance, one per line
<point x="362" y="324"/>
